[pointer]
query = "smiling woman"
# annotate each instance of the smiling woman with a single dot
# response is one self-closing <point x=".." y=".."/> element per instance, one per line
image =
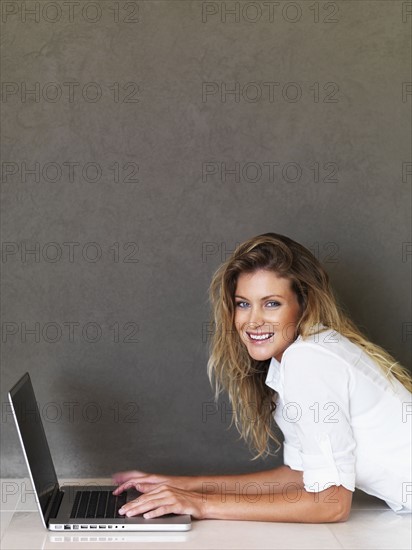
<point x="266" y="324"/>
<point x="283" y="347"/>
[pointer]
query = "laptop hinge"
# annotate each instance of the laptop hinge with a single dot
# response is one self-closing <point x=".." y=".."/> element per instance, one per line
<point x="53" y="505"/>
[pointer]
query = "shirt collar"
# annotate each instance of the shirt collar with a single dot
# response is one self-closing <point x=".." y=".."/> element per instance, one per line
<point x="273" y="375"/>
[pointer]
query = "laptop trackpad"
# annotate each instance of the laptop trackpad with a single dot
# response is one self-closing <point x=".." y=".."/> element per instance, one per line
<point x="132" y="494"/>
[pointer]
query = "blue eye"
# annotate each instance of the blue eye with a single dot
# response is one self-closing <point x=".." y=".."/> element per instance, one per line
<point x="238" y="304"/>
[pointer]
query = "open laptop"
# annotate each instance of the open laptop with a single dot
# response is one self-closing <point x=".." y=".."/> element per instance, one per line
<point x="74" y="507"/>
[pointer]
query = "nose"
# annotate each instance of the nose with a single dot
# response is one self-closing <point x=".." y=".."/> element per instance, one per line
<point x="256" y="318"/>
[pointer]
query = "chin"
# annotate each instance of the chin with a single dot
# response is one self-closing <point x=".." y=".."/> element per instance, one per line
<point x="262" y="355"/>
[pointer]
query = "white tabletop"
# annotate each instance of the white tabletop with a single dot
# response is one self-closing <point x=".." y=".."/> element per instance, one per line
<point x="372" y="524"/>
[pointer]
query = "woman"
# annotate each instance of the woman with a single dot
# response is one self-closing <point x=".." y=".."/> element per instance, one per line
<point x="282" y="346"/>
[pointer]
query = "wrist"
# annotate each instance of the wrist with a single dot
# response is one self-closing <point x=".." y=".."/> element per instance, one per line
<point x="188" y="483"/>
<point x="210" y="504"/>
<point x="194" y="483"/>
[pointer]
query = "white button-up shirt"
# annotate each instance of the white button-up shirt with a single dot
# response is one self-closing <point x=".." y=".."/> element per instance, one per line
<point x="343" y="421"/>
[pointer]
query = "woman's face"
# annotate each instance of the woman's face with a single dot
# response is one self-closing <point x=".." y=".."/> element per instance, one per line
<point x="266" y="308"/>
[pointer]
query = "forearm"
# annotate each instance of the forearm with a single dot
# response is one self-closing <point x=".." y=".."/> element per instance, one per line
<point x="275" y="497"/>
<point x="295" y="506"/>
<point x="267" y="481"/>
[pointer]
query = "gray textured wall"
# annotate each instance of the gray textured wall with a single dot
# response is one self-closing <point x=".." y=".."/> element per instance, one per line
<point x="120" y="137"/>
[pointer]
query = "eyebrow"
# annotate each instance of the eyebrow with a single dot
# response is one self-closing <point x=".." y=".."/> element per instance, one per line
<point x="264" y="298"/>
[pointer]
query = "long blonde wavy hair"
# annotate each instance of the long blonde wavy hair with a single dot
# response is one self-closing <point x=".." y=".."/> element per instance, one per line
<point x="230" y="366"/>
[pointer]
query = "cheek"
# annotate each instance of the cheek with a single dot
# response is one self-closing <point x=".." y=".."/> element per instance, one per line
<point x="274" y="314"/>
<point x="240" y="319"/>
<point x="237" y="318"/>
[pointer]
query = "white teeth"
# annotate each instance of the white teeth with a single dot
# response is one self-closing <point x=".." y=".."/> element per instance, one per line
<point x="261" y="336"/>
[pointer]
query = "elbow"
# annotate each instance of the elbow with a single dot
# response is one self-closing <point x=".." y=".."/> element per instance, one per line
<point x="327" y="517"/>
<point x="343" y="501"/>
<point x="330" y="514"/>
<point x="340" y="519"/>
<point x="342" y="516"/>
<point x="335" y="518"/>
<point x="337" y="511"/>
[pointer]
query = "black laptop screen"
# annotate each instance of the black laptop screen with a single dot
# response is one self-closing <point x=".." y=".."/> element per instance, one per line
<point x="34" y="440"/>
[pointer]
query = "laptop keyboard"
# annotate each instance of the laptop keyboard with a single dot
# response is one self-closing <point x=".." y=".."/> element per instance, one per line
<point x="97" y="504"/>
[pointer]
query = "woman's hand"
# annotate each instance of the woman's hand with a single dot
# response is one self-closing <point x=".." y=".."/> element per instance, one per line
<point x="145" y="482"/>
<point x="166" y="500"/>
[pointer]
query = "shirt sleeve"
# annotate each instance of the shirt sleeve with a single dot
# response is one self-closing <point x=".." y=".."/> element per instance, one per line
<point x="316" y="392"/>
